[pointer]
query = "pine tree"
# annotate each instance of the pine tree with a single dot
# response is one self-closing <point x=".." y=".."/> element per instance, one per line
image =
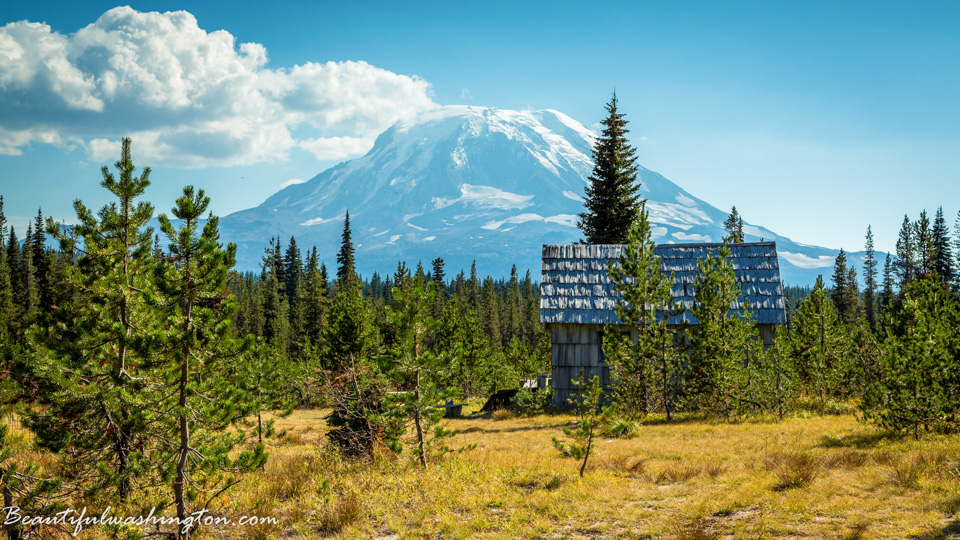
<point x="943" y="257"/>
<point x="820" y="346"/>
<point x="918" y="388"/>
<point x="98" y="359"/>
<point x="870" y="282"/>
<point x="723" y="346"/>
<point x="613" y="192"/>
<point x="198" y="336"/>
<point x="644" y="369"/>
<point x="417" y="366"/>
<point x="734" y="227"/>
<point x="41" y="262"/>
<point x="345" y="262"/>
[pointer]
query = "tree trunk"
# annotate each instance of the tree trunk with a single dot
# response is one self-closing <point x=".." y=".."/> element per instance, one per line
<point x="13" y="531"/>
<point x="421" y="442"/>
<point x="178" y="485"/>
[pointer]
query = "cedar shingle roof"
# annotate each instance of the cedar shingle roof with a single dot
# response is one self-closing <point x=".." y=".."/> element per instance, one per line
<point x="574" y="287"/>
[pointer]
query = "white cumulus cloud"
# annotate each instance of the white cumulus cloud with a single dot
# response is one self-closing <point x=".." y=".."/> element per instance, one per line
<point x="188" y="97"/>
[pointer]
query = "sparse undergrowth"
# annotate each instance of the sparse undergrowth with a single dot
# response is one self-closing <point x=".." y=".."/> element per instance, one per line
<point x="821" y="477"/>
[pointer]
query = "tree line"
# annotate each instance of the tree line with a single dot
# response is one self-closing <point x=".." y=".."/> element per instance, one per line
<point x="143" y="362"/>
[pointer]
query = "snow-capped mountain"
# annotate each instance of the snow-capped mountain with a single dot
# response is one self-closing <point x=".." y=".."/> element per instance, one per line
<point x="474" y="183"/>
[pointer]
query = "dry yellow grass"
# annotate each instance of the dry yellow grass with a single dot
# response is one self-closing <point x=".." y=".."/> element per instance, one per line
<point x="689" y="479"/>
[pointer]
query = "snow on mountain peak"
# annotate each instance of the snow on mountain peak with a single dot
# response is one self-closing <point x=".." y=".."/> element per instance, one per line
<point x="467" y="183"/>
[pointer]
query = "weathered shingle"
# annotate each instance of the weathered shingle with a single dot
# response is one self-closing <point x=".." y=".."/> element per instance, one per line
<point x="574" y="287"/>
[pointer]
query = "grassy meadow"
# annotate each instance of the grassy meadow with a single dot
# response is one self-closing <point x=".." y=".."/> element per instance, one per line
<point x="815" y="477"/>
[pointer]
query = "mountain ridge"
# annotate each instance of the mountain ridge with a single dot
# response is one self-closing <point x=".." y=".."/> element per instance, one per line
<point x="477" y="183"/>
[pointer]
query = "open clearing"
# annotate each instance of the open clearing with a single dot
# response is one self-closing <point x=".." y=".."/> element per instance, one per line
<point x="817" y="477"/>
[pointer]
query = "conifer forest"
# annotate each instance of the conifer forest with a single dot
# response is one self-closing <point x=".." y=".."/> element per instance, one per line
<point x="141" y="371"/>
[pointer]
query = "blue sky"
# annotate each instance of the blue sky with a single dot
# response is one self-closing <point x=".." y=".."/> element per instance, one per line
<point x="814" y="118"/>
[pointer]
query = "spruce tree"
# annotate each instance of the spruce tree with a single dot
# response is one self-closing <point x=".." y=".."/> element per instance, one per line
<point x="613" y="192"/>
<point x="198" y="338"/>
<point x="734" y="227"/>
<point x="293" y="269"/>
<point x="345" y="262"/>
<point x="870" y="282"/>
<point x="943" y="256"/>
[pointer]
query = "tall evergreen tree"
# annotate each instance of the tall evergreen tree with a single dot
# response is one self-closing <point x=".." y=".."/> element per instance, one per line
<point x="943" y="256"/>
<point x="613" y="192"/>
<point x="6" y="285"/>
<point x="870" y="282"/>
<point x="345" y="262"/>
<point x="734" y="227"/>
<point x="293" y="266"/>
<point x="198" y="340"/>
<point x="439" y="275"/>
<point x="99" y="361"/>
<point x="923" y="240"/>
<point x="887" y="296"/>
<point x="840" y="293"/>
<point x="906" y="262"/>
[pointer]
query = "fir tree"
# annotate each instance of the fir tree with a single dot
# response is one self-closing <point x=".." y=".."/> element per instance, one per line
<point x="198" y="338"/>
<point x="439" y="276"/>
<point x="906" y="262"/>
<point x="870" y="282"/>
<point x="943" y="256"/>
<point x="734" y="227"/>
<point x="345" y="262"/>
<point x="839" y="294"/>
<point x="887" y="295"/>
<point x="613" y="192"/>
<point x="293" y="269"/>
<point x="923" y="241"/>
<point x="417" y="366"/>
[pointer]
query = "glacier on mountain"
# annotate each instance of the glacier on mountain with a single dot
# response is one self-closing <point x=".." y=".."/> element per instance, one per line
<point x="472" y="183"/>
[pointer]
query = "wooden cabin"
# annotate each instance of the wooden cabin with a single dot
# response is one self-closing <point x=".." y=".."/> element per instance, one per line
<point x="577" y="299"/>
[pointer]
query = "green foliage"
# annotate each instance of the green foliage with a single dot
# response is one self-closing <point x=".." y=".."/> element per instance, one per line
<point x="734" y="227"/>
<point x="724" y="348"/>
<point x="821" y="348"/>
<point x="594" y="417"/>
<point x="94" y="352"/>
<point x="918" y="387"/>
<point x="532" y="401"/>
<point x="197" y="338"/>
<point x="612" y="193"/>
<point x="646" y="367"/>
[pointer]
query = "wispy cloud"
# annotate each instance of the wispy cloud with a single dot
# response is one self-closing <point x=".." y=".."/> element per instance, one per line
<point x="465" y="94"/>
<point x="190" y="98"/>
